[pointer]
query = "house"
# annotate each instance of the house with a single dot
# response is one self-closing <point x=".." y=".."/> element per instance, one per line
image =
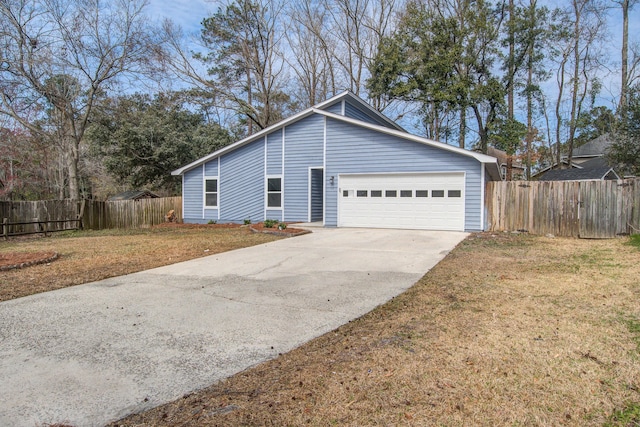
<point x="133" y="195"/>
<point x="518" y="171"/>
<point x="588" y="162"/>
<point x="343" y="164"/>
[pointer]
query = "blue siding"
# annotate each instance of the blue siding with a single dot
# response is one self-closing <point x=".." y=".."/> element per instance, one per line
<point x="211" y="168"/>
<point x="192" y="195"/>
<point x="274" y="214"/>
<point x="242" y="184"/>
<point x="274" y="153"/>
<point x="352" y="149"/>
<point x="210" y="214"/>
<point x="335" y="108"/>
<point x="303" y="148"/>
<point x="357" y="113"/>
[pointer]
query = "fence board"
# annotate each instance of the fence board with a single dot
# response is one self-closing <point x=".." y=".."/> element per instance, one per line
<point x="588" y="209"/>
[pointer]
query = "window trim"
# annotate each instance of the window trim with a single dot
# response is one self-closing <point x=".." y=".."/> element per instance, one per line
<point x="267" y="192"/>
<point x="205" y="192"/>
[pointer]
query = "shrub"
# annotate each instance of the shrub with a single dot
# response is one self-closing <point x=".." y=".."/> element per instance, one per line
<point x="282" y="226"/>
<point x="247" y="221"/>
<point x="270" y="223"/>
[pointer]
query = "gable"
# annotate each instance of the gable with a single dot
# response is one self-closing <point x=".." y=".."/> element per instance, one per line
<point x="367" y="117"/>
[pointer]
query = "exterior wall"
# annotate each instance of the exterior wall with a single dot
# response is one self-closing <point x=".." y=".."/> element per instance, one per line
<point x="335" y="108"/>
<point x="303" y="148"/>
<point x="274" y="153"/>
<point x="211" y="168"/>
<point x="354" y="112"/>
<point x="242" y="184"/>
<point x="352" y="149"/>
<point x="192" y="194"/>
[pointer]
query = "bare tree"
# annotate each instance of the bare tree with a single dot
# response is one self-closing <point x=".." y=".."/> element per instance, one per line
<point x="58" y="58"/>
<point x="579" y="30"/>
<point x="241" y="49"/>
<point x="351" y="38"/>
<point x="311" y="56"/>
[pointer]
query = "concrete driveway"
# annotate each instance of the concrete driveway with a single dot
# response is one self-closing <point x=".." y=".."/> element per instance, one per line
<point x="91" y="354"/>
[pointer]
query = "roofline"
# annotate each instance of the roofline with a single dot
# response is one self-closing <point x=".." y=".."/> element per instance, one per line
<point x="614" y="172"/>
<point x="482" y="158"/>
<point x="284" y="123"/>
<point x="244" y="141"/>
<point x="363" y="103"/>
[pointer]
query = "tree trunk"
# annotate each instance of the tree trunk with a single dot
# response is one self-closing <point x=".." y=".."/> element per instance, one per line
<point x="510" y="94"/>
<point x="576" y="83"/>
<point x="529" y="140"/>
<point x="463" y="127"/>
<point x="625" y="56"/>
<point x="72" y="168"/>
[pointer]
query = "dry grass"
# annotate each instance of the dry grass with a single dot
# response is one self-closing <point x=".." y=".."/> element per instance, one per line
<point x="506" y="331"/>
<point x="94" y="255"/>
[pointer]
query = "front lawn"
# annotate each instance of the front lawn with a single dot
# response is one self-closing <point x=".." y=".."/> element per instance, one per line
<point x="87" y="256"/>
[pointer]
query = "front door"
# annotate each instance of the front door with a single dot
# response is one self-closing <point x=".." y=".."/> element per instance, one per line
<point x="316" y="195"/>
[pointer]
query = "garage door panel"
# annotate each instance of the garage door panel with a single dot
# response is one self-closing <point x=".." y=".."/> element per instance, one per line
<point x="435" y="213"/>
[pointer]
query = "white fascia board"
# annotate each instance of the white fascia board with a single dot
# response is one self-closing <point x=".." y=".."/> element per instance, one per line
<point x="482" y="158"/>
<point x="244" y="141"/>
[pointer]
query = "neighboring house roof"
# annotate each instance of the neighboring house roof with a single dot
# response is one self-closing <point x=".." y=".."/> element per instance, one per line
<point x="579" y="174"/>
<point x="133" y="195"/>
<point x="503" y="157"/>
<point x="395" y="130"/>
<point x="595" y="148"/>
<point x="588" y="162"/>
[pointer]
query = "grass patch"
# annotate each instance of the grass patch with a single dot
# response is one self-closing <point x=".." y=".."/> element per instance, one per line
<point x="627" y="417"/>
<point x="634" y="240"/>
<point x="634" y="328"/>
<point x="86" y="256"/>
<point x="506" y="330"/>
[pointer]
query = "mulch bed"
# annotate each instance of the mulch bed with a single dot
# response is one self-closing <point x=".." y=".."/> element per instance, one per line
<point x="256" y="228"/>
<point x="287" y="232"/>
<point x="13" y="260"/>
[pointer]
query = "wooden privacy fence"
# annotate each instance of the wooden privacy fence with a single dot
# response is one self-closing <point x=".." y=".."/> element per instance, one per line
<point x="33" y="217"/>
<point x="89" y="214"/>
<point x="129" y="213"/>
<point x="587" y="209"/>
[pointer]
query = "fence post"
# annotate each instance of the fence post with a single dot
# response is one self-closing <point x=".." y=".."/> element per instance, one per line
<point x="5" y="228"/>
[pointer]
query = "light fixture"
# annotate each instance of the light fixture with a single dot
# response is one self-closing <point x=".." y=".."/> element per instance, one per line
<point x="331" y="180"/>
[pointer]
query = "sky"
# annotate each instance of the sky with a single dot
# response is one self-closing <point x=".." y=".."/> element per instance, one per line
<point x="186" y="13"/>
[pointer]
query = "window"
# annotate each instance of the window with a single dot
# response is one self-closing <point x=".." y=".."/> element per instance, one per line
<point x="376" y="193"/>
<point x="211" y="193"/>
<point x="347" y="193"/>
<point x="391" y="193"/>
<point x="454" y="193"/>
<point x="362" y="193"/>
<point x="422" y="193"/>
<point x="437" y="193"/>
<point x="406" y="193"/>
<point x="274" y="192"/>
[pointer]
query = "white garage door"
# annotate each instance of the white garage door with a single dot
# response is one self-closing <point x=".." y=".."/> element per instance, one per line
<point x="433" y="201"/>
